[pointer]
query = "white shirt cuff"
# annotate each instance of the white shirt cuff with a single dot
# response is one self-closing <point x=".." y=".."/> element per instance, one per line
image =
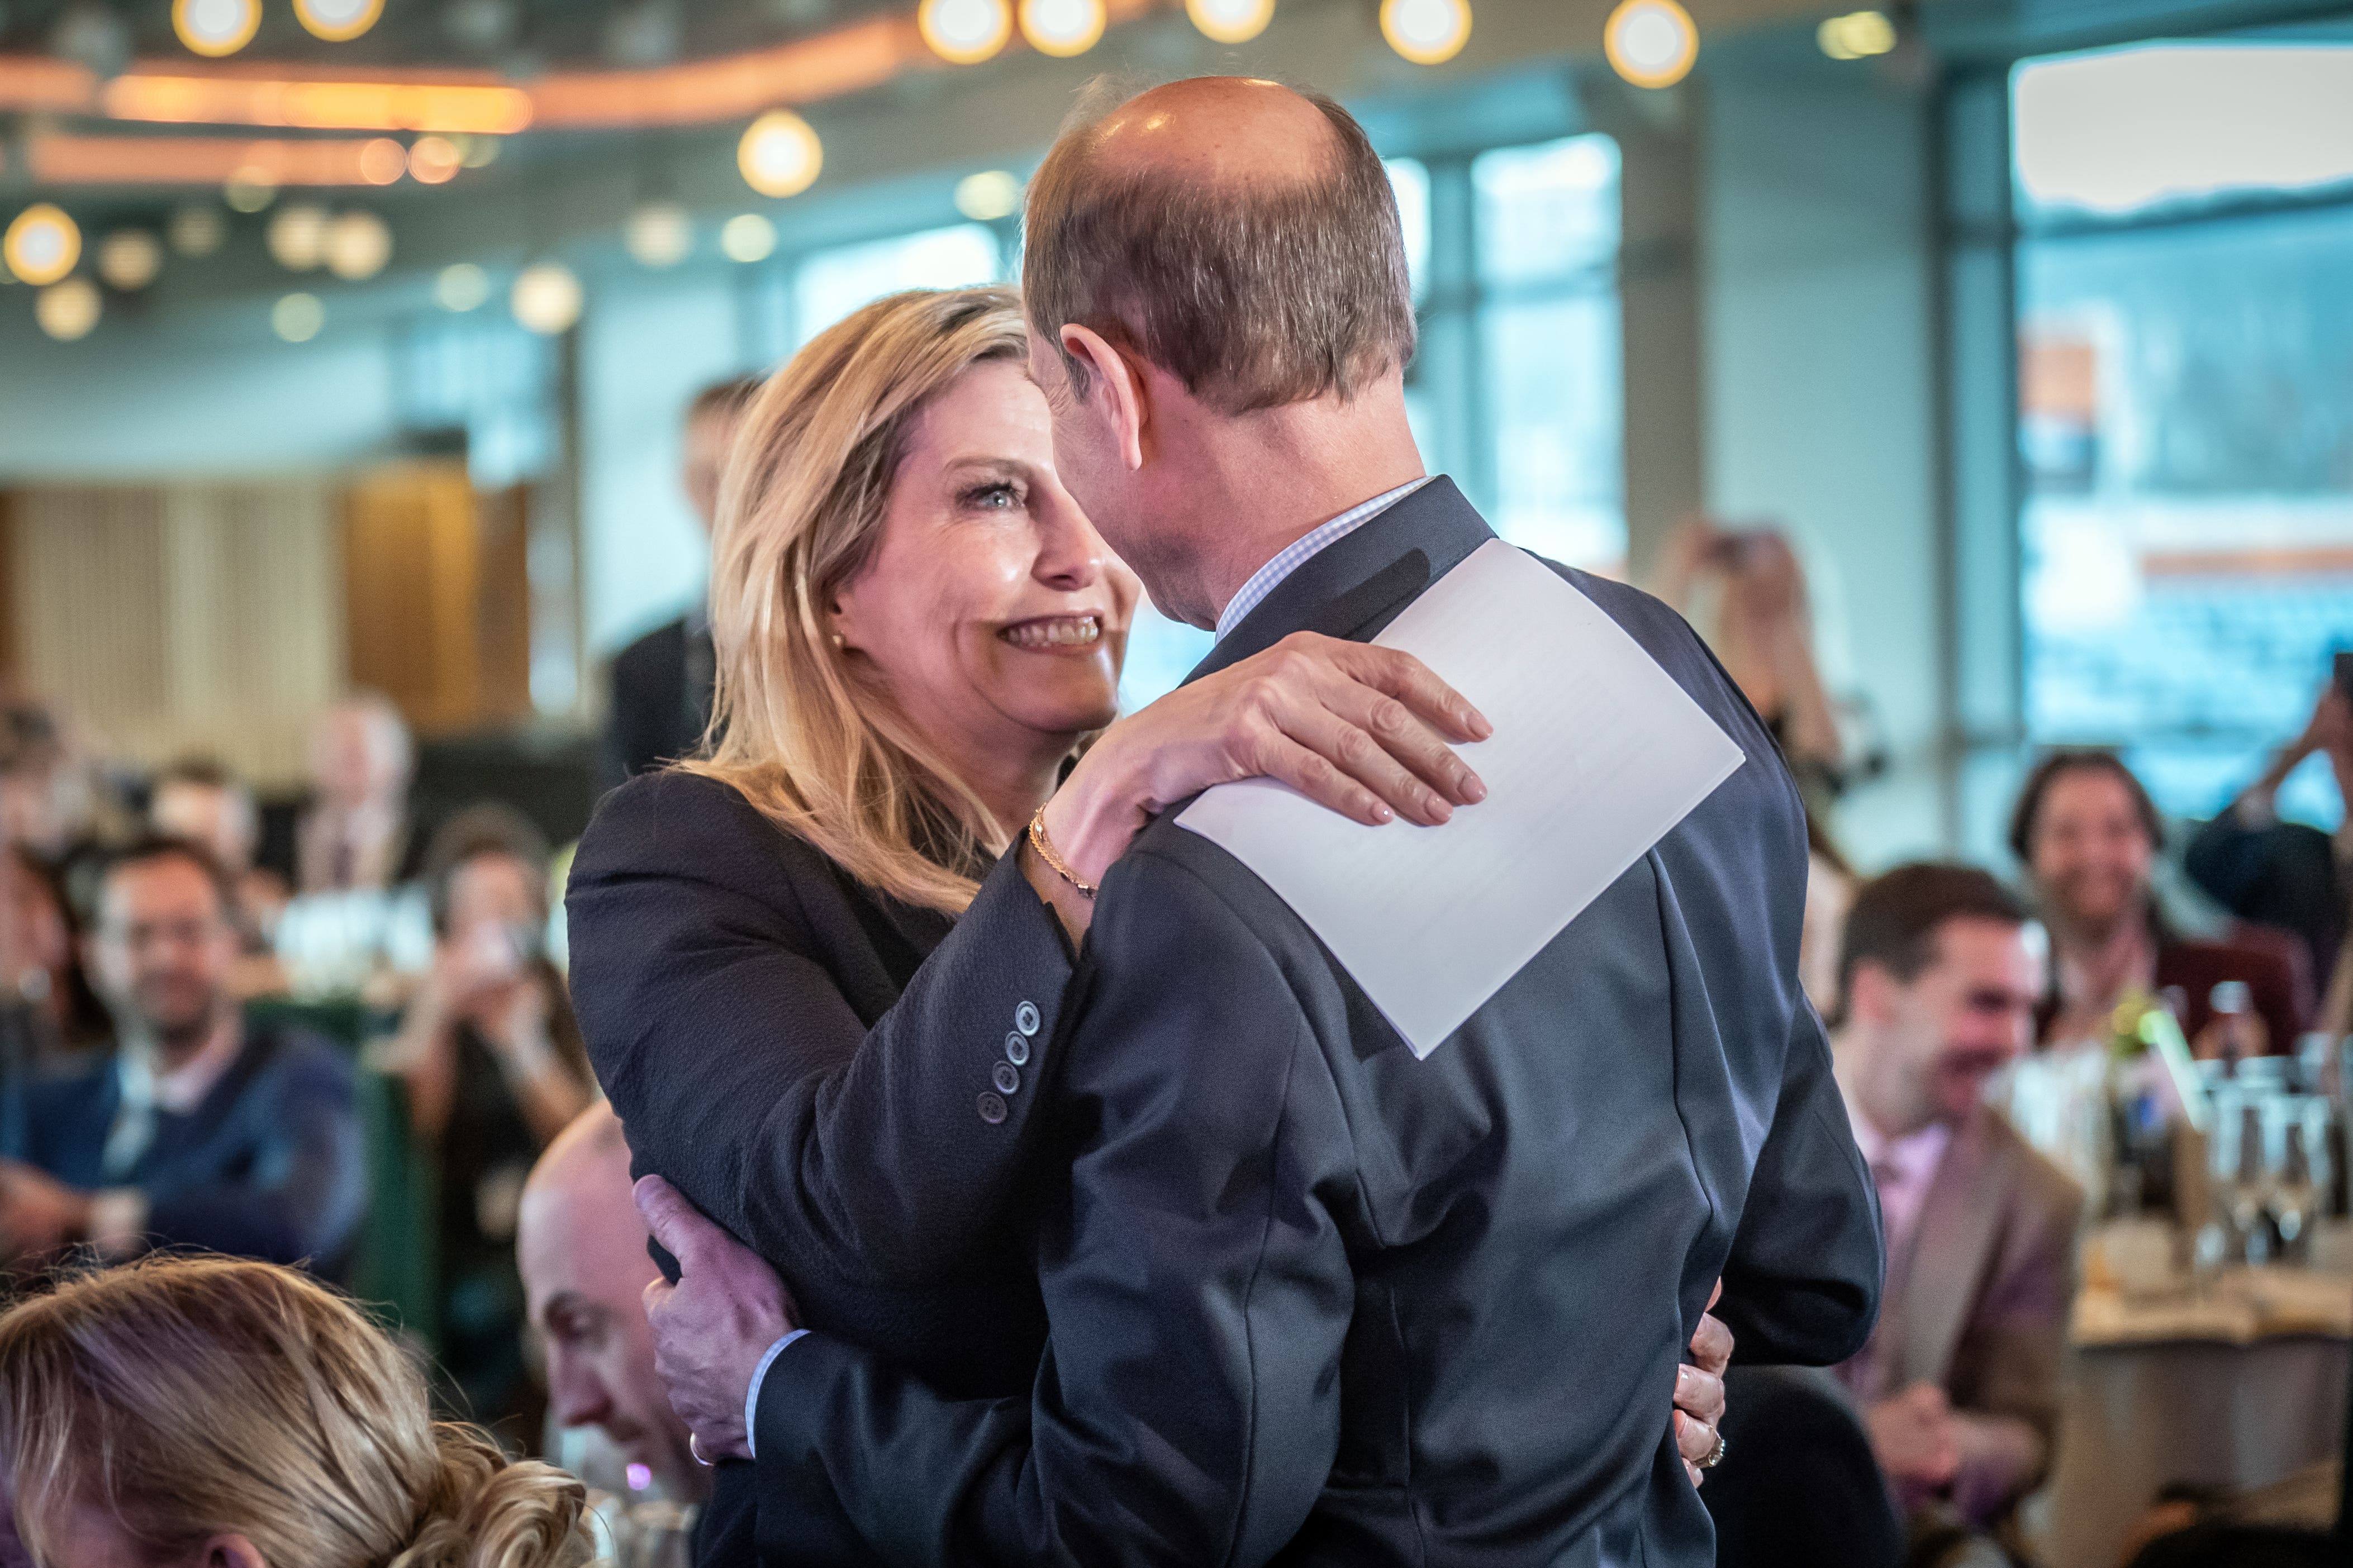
<point x="752" y="1397"/>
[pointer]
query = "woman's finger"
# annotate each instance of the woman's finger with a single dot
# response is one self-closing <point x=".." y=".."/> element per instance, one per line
<point x="1699" y="1394"/>
<point x="1313" y="774"/>
<point x="1695" y="1439"/>
<point x="1419" y="747"/>
<point x="1354" y="751"/>
<point x="1409" y="680"/>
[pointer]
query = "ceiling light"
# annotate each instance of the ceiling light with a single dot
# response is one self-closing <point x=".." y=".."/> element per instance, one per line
<point x="358" y="246"/>
<point x="964" y="32"/>
<point x="1650" y="43"/>
<point x="748" y="238"/>
<point x="297" y="237"/>
<point x="216" y="27"/>
<point x="1230" y="21"/>
<point x="660" y="234"/>
<point x="250" y="189"/>
<point x="780" y="155"/>
<point x="42" y="245"/>
<point x="338" y="21"/>
<point x="1426" y="32"/>
<point x="1856" y="36"/>
<point x="129" y="258"/>
<point x="461" y="287"/>
<point x="382" y="161"/>
<point x="434" y="161"/>
<point x="68" y="311"/>
<point x="547" y="298"/>
<point x="987" y="196"/>
<point x="1062" y="28"/>
<point x="197" y="231"/>
<point x="297" y="317"/>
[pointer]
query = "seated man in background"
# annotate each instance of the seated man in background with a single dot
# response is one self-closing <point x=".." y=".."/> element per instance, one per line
<point x="199" y="1131"/>
<point x="355" y="833"/>
<point x="1959" y="1385"/>
<point x="582" y="1248"/>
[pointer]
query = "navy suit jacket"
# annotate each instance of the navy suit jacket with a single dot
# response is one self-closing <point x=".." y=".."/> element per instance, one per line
<point x="271" y="1163"/>
<point x="1313" y="1301"/>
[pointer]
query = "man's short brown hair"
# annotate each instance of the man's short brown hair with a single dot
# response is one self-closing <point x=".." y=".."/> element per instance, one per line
<point x="1896" y="918"/>
<point x="1253" y="298"/>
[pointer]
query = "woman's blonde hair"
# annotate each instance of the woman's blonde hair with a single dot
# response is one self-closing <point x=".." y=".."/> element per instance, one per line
<point x="815" y="747"/>
<point x="187" y="1398"/>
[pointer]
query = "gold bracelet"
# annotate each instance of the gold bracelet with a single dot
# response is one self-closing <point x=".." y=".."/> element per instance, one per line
<point x="1059" y="867"/>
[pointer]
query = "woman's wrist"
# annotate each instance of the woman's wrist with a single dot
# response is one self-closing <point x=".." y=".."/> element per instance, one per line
<point x="1096" y="813"/>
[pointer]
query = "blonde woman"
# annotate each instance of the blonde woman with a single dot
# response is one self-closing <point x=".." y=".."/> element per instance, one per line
<point x="212" y="1413"/>
<point x="835" y="946"/>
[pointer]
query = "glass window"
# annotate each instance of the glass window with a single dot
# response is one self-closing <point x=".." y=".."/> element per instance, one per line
<point x="1551" y="392"/>
<point x="831" y="284"/>
<point x="1411" y="181"/>
<point x="2186" y="431"/>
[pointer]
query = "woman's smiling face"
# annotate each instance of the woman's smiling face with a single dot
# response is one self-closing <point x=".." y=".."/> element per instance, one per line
<point x="990" y="605"/>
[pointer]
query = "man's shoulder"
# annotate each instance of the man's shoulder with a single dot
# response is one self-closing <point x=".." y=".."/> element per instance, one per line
<point x="292" y="1054"/>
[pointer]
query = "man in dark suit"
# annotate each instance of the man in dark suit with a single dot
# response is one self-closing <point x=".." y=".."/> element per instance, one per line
<point x="200" y="1131"/>
<point x="1314" y="1299"/>
<point x="663" y="683"/>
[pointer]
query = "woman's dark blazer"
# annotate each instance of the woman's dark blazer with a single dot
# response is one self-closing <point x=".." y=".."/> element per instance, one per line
<point x="774" y="1035"/>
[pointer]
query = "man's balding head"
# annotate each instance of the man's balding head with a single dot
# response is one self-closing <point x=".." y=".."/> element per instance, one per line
<point x="581" y="1247"/>
<point x="1238" y="234"/>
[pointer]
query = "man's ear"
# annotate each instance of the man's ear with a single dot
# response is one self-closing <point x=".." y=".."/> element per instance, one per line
<point x="232" y="1551"/>
<point x="1115" y="392"/>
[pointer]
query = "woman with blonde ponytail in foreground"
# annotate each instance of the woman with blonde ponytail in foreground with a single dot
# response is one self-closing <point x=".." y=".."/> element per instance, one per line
<point x="209" y="1413"/>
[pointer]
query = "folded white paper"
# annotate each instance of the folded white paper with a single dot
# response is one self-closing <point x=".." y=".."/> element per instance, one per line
<point x="1597" y="754"/>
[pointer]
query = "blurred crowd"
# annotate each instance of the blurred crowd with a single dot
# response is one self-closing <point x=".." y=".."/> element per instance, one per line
<point x="325" y="1032"/>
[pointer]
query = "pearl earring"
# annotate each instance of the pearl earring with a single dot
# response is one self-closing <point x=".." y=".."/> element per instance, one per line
<point x="837" y="642"/>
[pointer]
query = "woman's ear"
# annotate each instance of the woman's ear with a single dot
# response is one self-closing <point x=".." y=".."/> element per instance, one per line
<point x="1114" y="392"/>
<point x="232" y="1551"/>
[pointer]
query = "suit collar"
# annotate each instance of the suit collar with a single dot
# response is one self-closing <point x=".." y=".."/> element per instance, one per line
<point x="1928" y="1298"/>
<point x="1356" y="586"/>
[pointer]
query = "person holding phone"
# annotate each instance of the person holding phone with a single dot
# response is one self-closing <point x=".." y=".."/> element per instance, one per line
<point x="492" y="1063"/>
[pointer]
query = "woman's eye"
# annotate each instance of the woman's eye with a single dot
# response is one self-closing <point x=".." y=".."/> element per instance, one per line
<point x="993" y="498"/>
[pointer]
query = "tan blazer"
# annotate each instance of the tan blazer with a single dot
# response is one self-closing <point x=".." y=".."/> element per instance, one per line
<point x="1976" y="1304"/>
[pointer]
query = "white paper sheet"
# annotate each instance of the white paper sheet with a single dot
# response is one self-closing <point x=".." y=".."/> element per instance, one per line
<point x="1597" y="753"/>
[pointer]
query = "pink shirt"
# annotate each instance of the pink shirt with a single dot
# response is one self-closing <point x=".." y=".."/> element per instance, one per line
<point x="1903" y="1168"/>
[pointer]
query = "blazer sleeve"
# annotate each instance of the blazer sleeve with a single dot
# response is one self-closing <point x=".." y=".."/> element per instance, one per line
<point x="307" y="1191"/>
<point x="743" y="1074"/>
<point x="1802" y="1284"/>
<point x="1188" y="1411"/>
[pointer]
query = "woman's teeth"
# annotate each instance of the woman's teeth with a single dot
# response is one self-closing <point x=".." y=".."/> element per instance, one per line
<point x="1060" y="631"/>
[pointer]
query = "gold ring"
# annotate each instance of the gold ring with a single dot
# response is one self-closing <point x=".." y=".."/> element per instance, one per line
<point x="1715" y="1455"/>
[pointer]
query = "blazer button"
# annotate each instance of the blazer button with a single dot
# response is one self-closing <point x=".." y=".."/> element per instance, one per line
<point x="1017" y="1049"/>
<point x="1025" y="1017"/>
<point x="1008" y="1077"/>
<point x="992" y="1109"/>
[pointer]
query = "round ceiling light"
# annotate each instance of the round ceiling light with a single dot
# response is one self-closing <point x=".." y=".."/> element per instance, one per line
<point x="68" y="311"/>
<point x="780" y="155"/>
<point x="1062" y="28"/>
<point x="964" y="32"/>
<point x="297" y="317"/>
<point x="1230" y="21"/>
<point x="297" y="237"/>
<point x="660" y="234"/>
<point x="461" y="287"/>
<point x="216" y="27"/>
<point x="434" y="161"/>
<point x="1426" y="32"/>
<point x="748" y="238"/>
<point x="1857" y="35"/>
<point x="129" y="258"/>
<point x="250" y="189"/>
<point x="197" y="230"/>
<point x="358" y="246"/>
<point x="338" y="21"/>
<point x="42" y="245"/>
<point x="1650" y="43"/>
<point x="382" y="161"/>
<point x="547" y="298"/>
<point x="988" y="195"/>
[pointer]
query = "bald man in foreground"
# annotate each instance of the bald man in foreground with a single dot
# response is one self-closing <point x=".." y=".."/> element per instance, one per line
<point x="581" y="1247"/>
<point x="1313" y="1299"/>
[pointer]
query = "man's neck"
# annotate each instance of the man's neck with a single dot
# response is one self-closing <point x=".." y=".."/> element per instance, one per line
<point x="176" y="1050"/>
<point x="1857" y="1066"/>
<point x="1262" y="483"/>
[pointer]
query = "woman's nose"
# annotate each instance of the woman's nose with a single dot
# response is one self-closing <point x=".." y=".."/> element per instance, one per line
<point x="1071" y="554"/>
